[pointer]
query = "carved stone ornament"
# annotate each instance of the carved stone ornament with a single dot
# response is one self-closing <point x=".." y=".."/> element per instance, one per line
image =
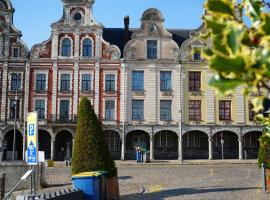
<point x="39" y="50"/>
<point x="130" y="54"/>
<point x="114" y="51"/>
<point x="185" y="53"/>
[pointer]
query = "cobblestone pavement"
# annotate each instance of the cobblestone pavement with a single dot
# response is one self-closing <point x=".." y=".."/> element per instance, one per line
<point x="183" y="182"/>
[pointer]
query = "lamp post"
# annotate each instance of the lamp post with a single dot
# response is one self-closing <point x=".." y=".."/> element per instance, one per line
<point x="124" y="110"/>
<point x="180" y="146"/>
<point x="222" y="146"/>
<point x="15" y="117"/>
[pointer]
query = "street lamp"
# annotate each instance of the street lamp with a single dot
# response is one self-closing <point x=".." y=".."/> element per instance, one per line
<point x="124" y="110"/>
<point x="15" y="117"/>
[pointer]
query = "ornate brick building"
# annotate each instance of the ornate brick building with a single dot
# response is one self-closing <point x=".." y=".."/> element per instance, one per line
<point x="148" y="86"/>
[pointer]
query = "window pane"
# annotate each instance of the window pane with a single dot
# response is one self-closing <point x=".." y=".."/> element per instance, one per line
<point x="65" y="82"/>
<point x="138" y="80"/>
<point x="194" y="81"/>
<point x="40" y="108"/>
<point x="41" y="82"/>
<point x="15" y="82"/>
<point x="165" y="81"/>
<point x="110" y="82"/>
<point x="86" y="82"/>
<point x="66" y="47"/>
<point x="225" y="110"/>
<point x="64" y="109"/>
<point x="87" y="47"/>
<point x="137" y="110"/>
<point x="151" y="49"/>
<point x="165" y="110"/>
<point x="195" y="110"/>
<point x="109" y="110"/>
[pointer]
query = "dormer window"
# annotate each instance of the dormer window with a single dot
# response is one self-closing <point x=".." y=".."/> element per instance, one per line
<point x="87" y="48"/>
<point x="197" y="54"/>
<point x="66" y="47"/>
<point x="16" y="52"/>
<point x="152" y="49"/>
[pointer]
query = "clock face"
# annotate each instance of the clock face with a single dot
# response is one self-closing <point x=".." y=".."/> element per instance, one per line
<point x="78" y="16"/>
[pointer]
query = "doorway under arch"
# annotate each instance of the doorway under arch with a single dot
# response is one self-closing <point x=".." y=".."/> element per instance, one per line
<point x="63" y="146"/>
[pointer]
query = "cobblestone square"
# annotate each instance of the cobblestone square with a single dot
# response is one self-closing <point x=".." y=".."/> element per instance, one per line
<point x="183" y="182"/>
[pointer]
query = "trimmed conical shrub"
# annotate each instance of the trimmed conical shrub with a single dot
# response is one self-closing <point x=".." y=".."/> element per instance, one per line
<point x="90" y="151"/>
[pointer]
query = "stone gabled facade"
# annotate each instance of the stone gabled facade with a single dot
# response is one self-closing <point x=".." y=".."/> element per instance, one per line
<point x="148" y="86"/>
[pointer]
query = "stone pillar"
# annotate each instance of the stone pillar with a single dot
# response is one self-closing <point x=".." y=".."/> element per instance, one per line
<point x="52" y="148"/>
<point x="4" y="93"/>
<point x="210" y="147"/>
<point x="75" y="88"/>
<point x="54" y="89"/>
<point x="97" y="88"/>
<point x="180" y="147"/>
<point x="123" y="147"/>
<point x="240" y="140"/>
<point x="152" y="147"/>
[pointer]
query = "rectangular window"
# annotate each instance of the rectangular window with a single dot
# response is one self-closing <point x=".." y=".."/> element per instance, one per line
<point x="165" y="81"/>
<point x="192" y="140"/>
<point x="251" y="111"/>
<point x="194" y="81"/>
<point x="86" y="82"/>
<point x="225" y="110"/>
<point x="40" y="108"/>
<point x="138" y="80"/>
<point x="16" y="82"/>
<point x="109" y="110"/>
<point x="165" y="110"/>
<point x="152" y="49"/>
<point x="195" y="110"/>
<point x="138" y="110"/>
<point x="65" y="82"/>
<point x="41" y="82"/>
<point x="16" y="52"/>
<point x="109" y="82"/>
<point x="64" y="110"/>
<point x="14" y="106"/>
<point x="197" y="54"/>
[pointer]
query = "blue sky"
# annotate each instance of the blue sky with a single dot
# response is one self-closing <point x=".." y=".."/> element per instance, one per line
<point x="34" y="17"/>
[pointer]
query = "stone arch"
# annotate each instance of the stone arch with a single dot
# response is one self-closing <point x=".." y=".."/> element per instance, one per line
<point x="8" y="143"/>
<point x="136" y="138"/>
<point x="230" y="145"/>
<point x="251" y="129"/>
<point x="251" y="144"/>
<point x="166" y="145"/>
<point x="71" y="131"/>
<point x="63" y="144"/>
<point x="168" y="128"/>
<point x="205" y="130"/>
<point x="114" y="142"/>
<point x="114" y="129"/>
<point x="44" y="141"/>
<point x="195" y="145"/>
<point x="11" y="129"/>
<point x="235" y="130"/>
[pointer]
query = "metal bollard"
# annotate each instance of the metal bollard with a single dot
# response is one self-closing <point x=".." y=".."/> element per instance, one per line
<point x="2" y="185"/>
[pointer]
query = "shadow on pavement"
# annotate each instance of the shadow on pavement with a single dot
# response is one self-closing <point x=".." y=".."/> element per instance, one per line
<point x="125" y="177"/>
<point x="180" y="192"/>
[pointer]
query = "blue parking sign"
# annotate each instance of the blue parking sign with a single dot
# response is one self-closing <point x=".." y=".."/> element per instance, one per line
<point x="31" y="129"/>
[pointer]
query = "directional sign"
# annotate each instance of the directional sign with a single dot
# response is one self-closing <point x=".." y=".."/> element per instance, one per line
<point x="32" y="139"/>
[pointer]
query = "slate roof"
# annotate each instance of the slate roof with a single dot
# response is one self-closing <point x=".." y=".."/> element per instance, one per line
<point x="116" y="36"/>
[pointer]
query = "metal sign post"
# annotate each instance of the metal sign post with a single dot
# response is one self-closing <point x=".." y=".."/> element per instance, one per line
<point x="32" y="146"/>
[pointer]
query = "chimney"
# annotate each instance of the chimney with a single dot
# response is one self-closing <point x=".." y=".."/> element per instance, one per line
<point x="126" y="30"/>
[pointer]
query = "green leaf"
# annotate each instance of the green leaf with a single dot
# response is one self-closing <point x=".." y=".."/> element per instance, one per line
<point x="265" y="25"/>
<point x="234" y="35"/>
<point x="223" y="84"/>
<point x="220" y="6"/>
<point x="222" y="63"/>
<point x="213" y="24"/>
<point x="219" y="44"/>
<point x="258" y="103"/>
<point x="253" y="10"/>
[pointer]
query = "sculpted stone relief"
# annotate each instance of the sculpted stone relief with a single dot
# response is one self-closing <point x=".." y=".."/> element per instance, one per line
<point x="114" y="51"/>
<point x="39" y="50"/>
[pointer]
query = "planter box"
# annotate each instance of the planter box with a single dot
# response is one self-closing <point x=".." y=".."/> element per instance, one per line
<point x="267" y="179"/>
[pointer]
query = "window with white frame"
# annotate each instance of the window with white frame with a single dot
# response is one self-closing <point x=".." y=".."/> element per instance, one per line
<point x="165" y="81"/>
<point x="110" y="82"/>
<point x="66" y="47"/>
<point x="197" y="53"/>
<point x="64" y="109"/>
<point x="152" y="49"/>
<point x="15" y="82"/>
<point x="40" y="108"/>
<point x="86" y="82"/>
<point x="138" y="110"/>
<point x="113" y="140"/>
<point x="40" y="82"/>
<point x="109" y="110"/>
<point x="16" y="52"/>
<point x="165" y="110"/>
<point x="87" y="48"/>
<point x="137" y="80"/>
<point x="192" y="140"/>
<point x="65" y="82"/>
